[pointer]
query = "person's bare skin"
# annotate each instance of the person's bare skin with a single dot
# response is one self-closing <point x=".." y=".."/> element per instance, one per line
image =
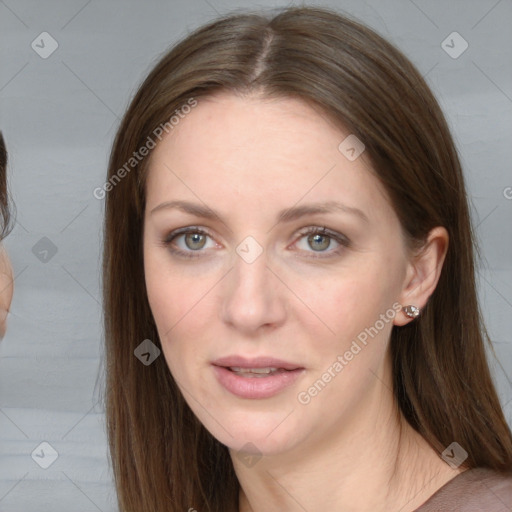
<point x="6" y="279"/>
<point x="250" y="159"/>
<point x="6" y="289"/>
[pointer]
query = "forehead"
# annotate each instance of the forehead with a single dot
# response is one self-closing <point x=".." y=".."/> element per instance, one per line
<point x="264" y="151"/>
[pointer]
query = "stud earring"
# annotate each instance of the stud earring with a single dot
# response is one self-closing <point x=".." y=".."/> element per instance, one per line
<point x="411" y="311"/>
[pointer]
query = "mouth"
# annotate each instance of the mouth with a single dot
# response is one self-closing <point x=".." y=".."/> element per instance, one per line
<point x="251" y="373"/>
<point x="261" y="364"/>
<point x="261" y="377"/>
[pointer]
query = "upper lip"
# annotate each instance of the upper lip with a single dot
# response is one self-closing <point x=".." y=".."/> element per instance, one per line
<point x="256" y="362"/>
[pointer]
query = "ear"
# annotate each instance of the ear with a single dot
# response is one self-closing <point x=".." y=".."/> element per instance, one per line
<point x="423" y="271"/>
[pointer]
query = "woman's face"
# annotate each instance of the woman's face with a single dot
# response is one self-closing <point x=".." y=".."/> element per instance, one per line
<point x="254" y="282"/>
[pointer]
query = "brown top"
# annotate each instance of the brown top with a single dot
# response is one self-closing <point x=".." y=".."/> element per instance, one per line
<point x="474" y="490"/>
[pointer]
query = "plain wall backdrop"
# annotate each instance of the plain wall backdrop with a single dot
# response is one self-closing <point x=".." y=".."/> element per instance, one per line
<point x="67" y="72"/>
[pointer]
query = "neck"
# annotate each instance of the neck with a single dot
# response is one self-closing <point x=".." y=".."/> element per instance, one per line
<point x="375" y="462"/>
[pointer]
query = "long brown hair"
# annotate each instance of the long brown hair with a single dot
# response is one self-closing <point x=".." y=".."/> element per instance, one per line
<point x="5" y="203"/>
<point x="163" y="458"/>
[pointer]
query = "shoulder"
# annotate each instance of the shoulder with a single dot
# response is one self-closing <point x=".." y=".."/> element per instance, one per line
<point x="473" y="490"/>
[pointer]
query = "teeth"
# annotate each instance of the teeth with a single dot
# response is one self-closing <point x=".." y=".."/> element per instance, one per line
<point x="238" y="369"/>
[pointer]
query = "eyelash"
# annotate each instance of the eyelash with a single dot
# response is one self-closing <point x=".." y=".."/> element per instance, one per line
<point x="314" y="230"/>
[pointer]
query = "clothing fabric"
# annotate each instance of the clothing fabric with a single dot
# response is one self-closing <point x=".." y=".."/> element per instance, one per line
<point x="474" y="490"/>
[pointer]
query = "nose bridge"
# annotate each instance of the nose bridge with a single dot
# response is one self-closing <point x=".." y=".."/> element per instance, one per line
<point x="251" y="297"/>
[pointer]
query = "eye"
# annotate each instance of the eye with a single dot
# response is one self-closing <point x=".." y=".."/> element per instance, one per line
<point x="320" y="239"/>
<point x="189" y="242"/>
<point x="194" y="241"/>
<point x="186" y="241"/>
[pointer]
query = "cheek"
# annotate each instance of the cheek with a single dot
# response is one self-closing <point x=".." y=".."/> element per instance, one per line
<point x="181" y="308"/>
<point x="346" y="303"/>
<point x="171" y="294"/>
<point x="347" y="359"/>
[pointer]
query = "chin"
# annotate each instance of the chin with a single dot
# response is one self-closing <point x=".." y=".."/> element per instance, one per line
<point x="259" y="433"/>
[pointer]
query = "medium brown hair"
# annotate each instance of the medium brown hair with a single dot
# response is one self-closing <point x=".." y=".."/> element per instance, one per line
<point x="163" y="458"/>
<point x="5" y="207"/>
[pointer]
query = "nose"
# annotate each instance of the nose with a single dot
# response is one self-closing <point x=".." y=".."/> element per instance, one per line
<point x="253" y="297"/>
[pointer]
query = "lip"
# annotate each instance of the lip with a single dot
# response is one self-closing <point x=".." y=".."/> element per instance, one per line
<point x="256" y="362"/>
<point x="255" y="387"/>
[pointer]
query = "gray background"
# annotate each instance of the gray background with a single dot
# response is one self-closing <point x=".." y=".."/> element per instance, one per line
<point x="59" y="116"/>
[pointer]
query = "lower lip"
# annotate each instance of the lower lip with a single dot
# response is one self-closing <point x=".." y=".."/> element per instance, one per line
<point x="256" y="387"/>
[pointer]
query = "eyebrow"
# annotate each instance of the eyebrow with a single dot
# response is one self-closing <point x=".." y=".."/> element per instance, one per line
<point x="286" y="215"/>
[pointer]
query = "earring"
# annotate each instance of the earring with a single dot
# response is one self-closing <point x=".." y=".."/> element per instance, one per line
<point x="411" y="311"/>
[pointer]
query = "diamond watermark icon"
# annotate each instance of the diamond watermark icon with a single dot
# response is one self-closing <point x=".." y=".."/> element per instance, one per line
<point x="44" y="455"/>
<point x="147" y="352"/>
<point x="249" y="249"/>
<point x="44" y="45"/>
<point x="351" y="147"/>
<point x="249" y="454"/>
<point x="44" y="249"/>
<point x="454" y="455"/>
<point x="454" y="45"/>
